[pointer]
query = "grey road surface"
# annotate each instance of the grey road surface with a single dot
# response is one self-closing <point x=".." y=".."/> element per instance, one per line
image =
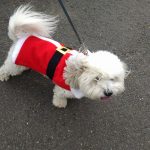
<point x="29" y="121"/>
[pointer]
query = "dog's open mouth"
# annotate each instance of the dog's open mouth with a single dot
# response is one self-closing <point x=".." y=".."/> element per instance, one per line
<point x="105" y="98"/>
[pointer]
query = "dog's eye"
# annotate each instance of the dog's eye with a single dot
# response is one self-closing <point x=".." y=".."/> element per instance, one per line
<point x="97" y="78"/>
<point x="112" y="79"/>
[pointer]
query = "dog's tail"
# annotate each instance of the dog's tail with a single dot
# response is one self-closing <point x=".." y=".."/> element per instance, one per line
<point x="25" y="21"/>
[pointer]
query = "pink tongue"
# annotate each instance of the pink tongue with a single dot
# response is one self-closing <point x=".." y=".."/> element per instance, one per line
<point x="105" y="98"/>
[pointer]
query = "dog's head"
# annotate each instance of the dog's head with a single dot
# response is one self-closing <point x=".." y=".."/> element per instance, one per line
<point x="103" y="75"/>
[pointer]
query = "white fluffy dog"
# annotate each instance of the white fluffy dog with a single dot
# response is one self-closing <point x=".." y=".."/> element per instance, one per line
<point x="96" y="76"/>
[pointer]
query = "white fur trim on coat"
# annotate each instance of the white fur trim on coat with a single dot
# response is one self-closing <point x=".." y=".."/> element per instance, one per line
<point x="17" y="48"/>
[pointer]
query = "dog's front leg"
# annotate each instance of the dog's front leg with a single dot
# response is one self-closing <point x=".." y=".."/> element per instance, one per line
<point x="60" y="97"/>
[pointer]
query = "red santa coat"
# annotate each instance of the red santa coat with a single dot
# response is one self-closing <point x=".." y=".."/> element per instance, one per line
<point x="43" y="55"/>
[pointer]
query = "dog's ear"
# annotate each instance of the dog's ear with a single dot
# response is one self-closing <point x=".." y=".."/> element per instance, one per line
<point x="127" y="70"/>
<point x="84" y="64"/>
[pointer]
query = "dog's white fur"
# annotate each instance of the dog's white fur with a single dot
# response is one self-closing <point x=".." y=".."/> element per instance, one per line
<point x="91" y="75"/>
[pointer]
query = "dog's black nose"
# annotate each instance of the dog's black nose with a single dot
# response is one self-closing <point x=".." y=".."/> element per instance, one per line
<point x="108" y="93"/>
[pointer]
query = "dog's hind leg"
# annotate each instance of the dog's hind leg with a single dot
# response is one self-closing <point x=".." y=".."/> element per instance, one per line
<point x="9" y="68"/>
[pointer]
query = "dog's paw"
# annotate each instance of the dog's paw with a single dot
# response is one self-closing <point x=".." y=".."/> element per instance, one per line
<point x="4" y="76"/>
<point x="60" y="103"/>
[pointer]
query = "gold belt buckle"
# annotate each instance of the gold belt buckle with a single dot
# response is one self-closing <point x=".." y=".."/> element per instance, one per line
<point x="63" y="50"/>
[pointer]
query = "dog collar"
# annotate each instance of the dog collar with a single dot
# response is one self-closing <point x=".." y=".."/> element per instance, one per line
<point x="77" y="93"/>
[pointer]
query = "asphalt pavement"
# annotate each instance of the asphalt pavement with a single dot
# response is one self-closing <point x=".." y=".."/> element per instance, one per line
<point x="29" y="121"/>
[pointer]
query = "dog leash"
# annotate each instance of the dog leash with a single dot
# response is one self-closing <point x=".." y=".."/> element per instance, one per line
<point x="70" y="21"/>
